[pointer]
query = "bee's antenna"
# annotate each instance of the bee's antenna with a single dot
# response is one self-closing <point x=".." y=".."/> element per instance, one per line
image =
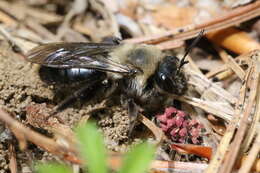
<point x="183" y="62"/>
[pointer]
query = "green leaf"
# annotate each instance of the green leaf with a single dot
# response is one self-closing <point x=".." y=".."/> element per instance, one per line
<point x="138" y="159"/>
<point x="52" y="168"/>
<point x="92" y="148"/>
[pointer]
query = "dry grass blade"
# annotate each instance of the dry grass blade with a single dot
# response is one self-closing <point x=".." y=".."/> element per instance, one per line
<point x="231" y="63"/>
<point x="38" y="116"/>
<point x="158" y="133"/>
<point x="223" y="161"/>
<point x="202" y="84"/>
<point x="168" y="45"/>
<point x="11" y="40"/>
<point x="222" y="69"/>
<point x="252" y="82"/>
<point x="252" y="156"/>
<point x="115" y="161"/>
<point x="40" y="30"/>
<point x="254" y="128"/>
<point x="6" y="19"/>
<point x="174" y="166"/>
<point x="216" y="108"/>
<point x="19" y="11"/>
<point x="232" y="18"/>
<point x="214" y="99"/>
<point x="223" y="147"/>
<point x="12" y="158"/>
<point x="46" y="143"/>
<point x="225" y="71"/>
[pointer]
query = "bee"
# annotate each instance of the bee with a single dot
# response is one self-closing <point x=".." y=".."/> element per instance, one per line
<point x="143" y="75"/>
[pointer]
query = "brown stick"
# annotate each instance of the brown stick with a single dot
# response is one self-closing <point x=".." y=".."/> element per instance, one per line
<point x="252" y="83"/>
<point x="219" y="156"/>
<point x="232" y="18"/>
<point x="47" y="144"/>
<point x="12" y="159"/>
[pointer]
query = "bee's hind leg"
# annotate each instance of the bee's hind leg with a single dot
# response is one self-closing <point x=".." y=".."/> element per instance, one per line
<point x="76" y="95"/>
<point x="133" y="110"/>
<point x="86" y="93"/>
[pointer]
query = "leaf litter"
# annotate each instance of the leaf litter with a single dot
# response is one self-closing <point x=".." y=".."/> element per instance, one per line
<point x="222" y="99"/>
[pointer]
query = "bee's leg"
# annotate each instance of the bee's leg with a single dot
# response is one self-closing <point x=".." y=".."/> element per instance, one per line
<point x="133" y="110"/>
<point x="88" y="92"/>
<point x="98" y="88"/>
<point x="84" y="91"/>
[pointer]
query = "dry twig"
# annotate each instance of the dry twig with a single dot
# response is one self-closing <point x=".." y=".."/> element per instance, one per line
<point x="231" y="63"/>
<point x="23" y="134"/>
<point x="12" y="158"/>
<point x="232" y="18"/>
<point x="158" y="133"/>
<point x="223" y="160"/>
<point x="252" y="156"/>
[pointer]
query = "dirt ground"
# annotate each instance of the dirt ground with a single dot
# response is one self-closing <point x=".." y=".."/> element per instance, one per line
<point x="20" y="87"/>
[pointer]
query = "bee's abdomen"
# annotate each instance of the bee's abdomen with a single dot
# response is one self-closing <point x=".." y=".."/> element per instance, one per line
<point x="68" y="75"/>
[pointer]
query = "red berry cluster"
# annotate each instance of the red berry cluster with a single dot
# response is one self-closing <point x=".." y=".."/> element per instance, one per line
<point x="178" y="126"/>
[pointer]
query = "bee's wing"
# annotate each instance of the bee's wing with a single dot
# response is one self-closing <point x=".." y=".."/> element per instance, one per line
<point x="78" y="55"/>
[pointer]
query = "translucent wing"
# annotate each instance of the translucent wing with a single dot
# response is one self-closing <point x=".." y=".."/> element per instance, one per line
<point x="78" y="55"/>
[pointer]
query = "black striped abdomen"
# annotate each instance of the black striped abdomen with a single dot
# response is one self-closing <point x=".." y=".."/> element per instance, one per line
<point x="69" y="75"/>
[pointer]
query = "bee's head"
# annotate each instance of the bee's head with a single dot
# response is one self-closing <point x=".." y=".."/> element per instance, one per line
<point x="169" y="76"/>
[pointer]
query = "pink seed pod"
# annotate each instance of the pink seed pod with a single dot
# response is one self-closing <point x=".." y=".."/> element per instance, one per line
<point x="185" y="123"/>
<point x="179" y="127"/>
<point x="162" y="118"/>
<point x="179" y="121"/>
<point x="170" y="123"/>
<point x="164" y="127"/>
<point x="181" y="114"/>
<point x="195" y="132"/>
<point x="181" y="140"/>
<point x="194" y="140"/>
<point x="183" y="132"/>
<point x="174" y="131"/>
<point x="193" y="122"/>
<point x="169" y="111"/>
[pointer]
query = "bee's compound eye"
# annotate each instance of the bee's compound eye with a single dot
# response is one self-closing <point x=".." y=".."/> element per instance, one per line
<point x="163" y="81"/>
<point x="167" y="79"/>
<point x="174" y="85"/>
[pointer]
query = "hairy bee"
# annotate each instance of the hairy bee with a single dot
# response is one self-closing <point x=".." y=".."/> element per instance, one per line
<point x="142" y="74"/>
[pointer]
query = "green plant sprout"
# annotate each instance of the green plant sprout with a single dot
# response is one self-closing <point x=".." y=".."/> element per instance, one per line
<point x="93" y="152"/>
